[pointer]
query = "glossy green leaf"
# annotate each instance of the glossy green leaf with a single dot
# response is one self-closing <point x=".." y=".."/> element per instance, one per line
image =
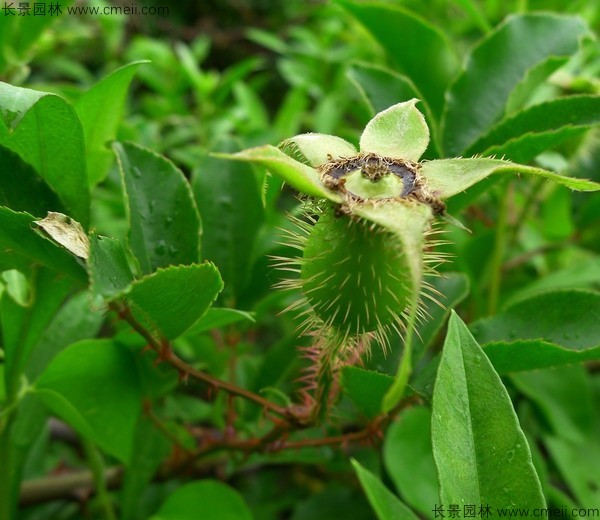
<point x="206" y="499"/>
<point x="564" y="397"/>
<point x="422" y="52"/>
<point x="386" y="505"/>
<point x="580" y="275"/>
<point x="480" y="451"/>
<point x="229" y="198"/>
<point x="108" y="267"/>
<point x="100" y="110"/>
<point x="526" y="134"/>
<point x="94" y="387"/>
<point x="22" y="189"/>
<point x="567" y="318"/>
<point x="448" y="177"/>
<point x="163" y="218"/>
<point x="30" y="120"/>
<point x="408" y="445"/>
<point x="366" y="388"/>
<point x="399" y="132"/>
<point x="219" y="317"/>
<point x="521" y="355"/>
<point x="578" y="463"/>
<point x="477" y="99"/>
<point x="171" y="300"/>
<point x="299" y="176"/>
<point x="317" y="149"/>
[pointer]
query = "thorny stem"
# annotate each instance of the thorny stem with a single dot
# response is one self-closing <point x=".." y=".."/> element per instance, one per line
<point x="163" y="349"/>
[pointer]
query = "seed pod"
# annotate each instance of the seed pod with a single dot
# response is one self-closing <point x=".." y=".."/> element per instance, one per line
<point x="354" y="274"/>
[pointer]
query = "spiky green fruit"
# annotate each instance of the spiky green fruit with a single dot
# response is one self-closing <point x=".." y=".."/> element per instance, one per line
<point x="355" y="274"/>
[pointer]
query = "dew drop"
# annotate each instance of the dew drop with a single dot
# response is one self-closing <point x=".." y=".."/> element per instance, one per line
<point x="168" y="222"/>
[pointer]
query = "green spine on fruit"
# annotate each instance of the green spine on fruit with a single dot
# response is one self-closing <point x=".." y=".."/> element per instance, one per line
<point x="354" y="274"/>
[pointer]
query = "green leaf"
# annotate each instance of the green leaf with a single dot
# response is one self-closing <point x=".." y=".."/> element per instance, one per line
<point x="448" y="177"/>
<point x="22" y="189"/>
<point x="582" y="275"/>
<point x="366" y="388"/>
<point x="422" y="52"/>
<point x="317" y="149"/>
<point x="299" y="176"/>
<point x="228" y="195"/>
<point x="408" y="445"/>
<point x="477" y="99"/>
<point x="386" y="505"/>
<point x="517" y="356"/>
<point x="150" y="448"/>
<point x="219" y="317"/>
<point x="30" y="120"/>
<point x="23" y="326"/>
<point x="526" y="134"/>
<point x="564" y="397"/>
<point x="567" y="318"/>
<point x="399" y="132"/>
<point x="171" y="300"/>
<point x="481" y="453"/>
<point x="100" y="110"/>
<point x="108" y="267"/>
<point x="93" y="385"/>
<point x="578" y="462"/>
<point x="163" y="218"/>
<point x="206" y="499"/>
<point x="381" y="88"/>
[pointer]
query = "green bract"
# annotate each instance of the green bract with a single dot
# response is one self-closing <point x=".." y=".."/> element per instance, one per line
<point x="363" y="245"/>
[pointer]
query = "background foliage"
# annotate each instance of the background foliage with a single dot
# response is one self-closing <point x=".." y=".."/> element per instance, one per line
<point x="111" y="120"/>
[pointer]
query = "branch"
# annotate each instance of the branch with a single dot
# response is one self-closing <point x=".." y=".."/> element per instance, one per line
<point x="166" y="354"/>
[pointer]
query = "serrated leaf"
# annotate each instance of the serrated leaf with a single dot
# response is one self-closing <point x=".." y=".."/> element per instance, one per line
<point x="317" y="149"/>
<point x="219" y="317"/>
<point x="422" y="53"/>
<point x="93" y="386"/>
<point x="567" y="318"/>
<point x="100" y="110"/>
<point x="206" y="499"/>
<point x="408" y="445"/>
<point x="526" y="134"/>
<point x="366" y="388"/>
<point x="386" y="505"/>
<point x="523" y="355"/>
<point x="163" y="217"/>
<point x="172" y="299"/>
<point x="477" y="99"/>
<point x="22" y="247"/>
<point x="108" y="267"/>
<point x="299" y="176"/>
<point x="30" y="120"/>
<point x="399" y="132"/>
<point x="480" y="451"/>
<point x="448" y="177"/>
